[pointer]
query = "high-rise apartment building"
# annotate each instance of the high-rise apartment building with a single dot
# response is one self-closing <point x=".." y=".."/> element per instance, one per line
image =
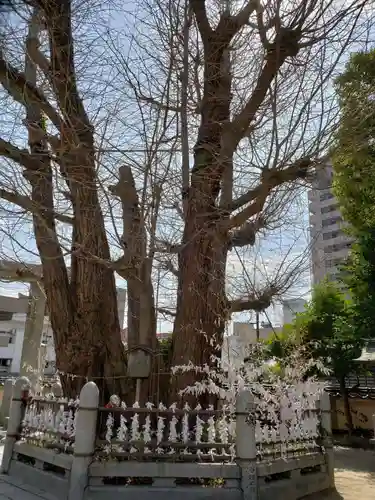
<point x="330" y="245"/>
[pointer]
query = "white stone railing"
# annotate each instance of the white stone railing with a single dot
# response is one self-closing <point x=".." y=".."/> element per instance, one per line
<point x="108" y="442"/>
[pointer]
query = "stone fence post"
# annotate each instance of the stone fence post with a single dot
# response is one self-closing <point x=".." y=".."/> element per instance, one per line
<point x="372" y="441"/>
<point x="7" y="399"/>
<point x="326" y="422"/>
<point x="246" y="445"/>
<point x="16" y="414"/>
<point x="57" y="390"/>
<point x="85" y="435"/>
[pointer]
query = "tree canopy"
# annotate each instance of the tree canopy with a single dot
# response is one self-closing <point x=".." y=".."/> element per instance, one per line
<point x="354" y="182"/>
<point x="358" y="275"/>
<point x="159" y="136"/>
<point x="353" y="154"/>
<point x="326" y="329"/>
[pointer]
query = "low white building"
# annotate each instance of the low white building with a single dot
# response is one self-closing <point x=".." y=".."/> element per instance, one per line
<point x="235" y="346"/>
<point x="13" y="312"/>
<point x="291" y="308"/>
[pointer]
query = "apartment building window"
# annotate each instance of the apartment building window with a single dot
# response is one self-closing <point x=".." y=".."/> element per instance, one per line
<point x="332" y="263"/>
<point x="329" y="208"/>
<point x="331" y="221"/>
<point x="6" y="316"/>
<point x="331" y="234"/>
<point x="337" y="247"/>
<point x="324" y="183"/>
<point x="326" y="196"/>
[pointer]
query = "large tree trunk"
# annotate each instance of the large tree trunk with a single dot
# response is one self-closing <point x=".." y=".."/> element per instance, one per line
<point x="202" y="307"/>
<point x="136" y="267"/>
<point x="201" y="304"/>
<point x="82" y="307"/>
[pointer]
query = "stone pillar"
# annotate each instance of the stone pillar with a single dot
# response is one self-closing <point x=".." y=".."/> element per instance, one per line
<point x="85" y="436"/>
<point x="7" y="399"/>
<point x="16" y="414"/>
<point x="57" y="390"/>
<point x="30" y="359"/>
<point x="41" y="365"/>
<point x="246" y="445"/>
<point x="372" y="441"/>
<point x="325" y="409"/>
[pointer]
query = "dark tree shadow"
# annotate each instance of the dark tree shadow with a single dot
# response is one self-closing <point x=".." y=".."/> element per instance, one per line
<point x="356" y="460"/>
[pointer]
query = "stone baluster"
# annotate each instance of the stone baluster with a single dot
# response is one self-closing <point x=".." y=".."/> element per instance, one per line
<point x="6" y="401"/>
<point x="85" y="435"/>
<point x="246" y="445"/>
<point x="16" y="414"/>
<point x="326" y="423"/>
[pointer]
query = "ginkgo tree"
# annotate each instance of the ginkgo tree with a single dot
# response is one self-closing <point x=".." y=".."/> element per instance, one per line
<point x="231" y="103"/>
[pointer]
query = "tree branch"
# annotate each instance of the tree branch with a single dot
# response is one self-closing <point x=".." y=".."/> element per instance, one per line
<point x="38" y="58"/>
<point x="275" y="177"/>
<point x="58" y="18"/>
<point x="14" y="271"/>
<point x="270" y="180"/>
<point x="29" y="206"/>
<point x="246" y="234"/>
<point x="24" y="92"/>
<point x="254" y="302"/>
<point x="168" y="266"/>
<point x="163" y="246"/>
<point x="31" y="162"/>
<point x="134" y="238"/>
<point x="199" y="9"/>
<point x="229" y="25"/>
<point x="20" y="156"/>
<point x="123" y="266"/>
<point x="285" y="45"/>
<point x="162" y="310"/>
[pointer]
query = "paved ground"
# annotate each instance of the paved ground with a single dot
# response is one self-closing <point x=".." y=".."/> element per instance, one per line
<point x="354" y="475"/>
<point x="355" y="479"/>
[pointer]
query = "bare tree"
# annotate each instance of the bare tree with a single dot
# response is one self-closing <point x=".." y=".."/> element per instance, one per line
<point x="249" y="85"/>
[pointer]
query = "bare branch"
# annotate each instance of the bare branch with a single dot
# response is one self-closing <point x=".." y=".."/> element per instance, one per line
<point x="27" y="204"/>
<point x="163" y="246"/>
<point x="199" y="9"/>
<point x="246" y="234"/>
<point x="285" y="45"/>
<point x="58" y="20"/>
<point x="230" y="25"/>
<point x="270" y="180"/>
<point x="167" y="312"/>
<point x="169" y="266"/>
<point x="300" y="169"/>
<point x="255" y="302"/>
<point x="21" y="156"/>
<point x="24" y="92"/>
<point x="14" y="271"/>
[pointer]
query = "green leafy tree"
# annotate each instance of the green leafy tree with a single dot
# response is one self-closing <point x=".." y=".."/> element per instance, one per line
<point x="353" y="155"/>
<point x="359" y="277"/>
<point x="326" y="329"/>
<point x="354" y="164"/>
